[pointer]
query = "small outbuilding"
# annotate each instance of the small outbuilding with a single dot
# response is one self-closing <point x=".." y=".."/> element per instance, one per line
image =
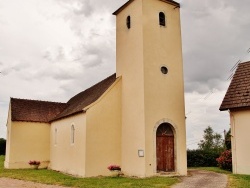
<point x="237" y="102"/>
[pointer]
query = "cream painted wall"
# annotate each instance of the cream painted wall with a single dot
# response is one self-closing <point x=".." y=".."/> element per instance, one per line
<point x="148" y="96"/>
<point x="66" y="156"/>
<point x="103" y="140"/>
<point x="240" y="129"/>
<point x="130" y="65"/>
<point x="8" y="141"/>
<point x="164" y="94"/>
<point x="29" y="141"/>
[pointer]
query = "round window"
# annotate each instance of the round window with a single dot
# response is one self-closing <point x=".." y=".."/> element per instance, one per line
<point x="164" y="70"/>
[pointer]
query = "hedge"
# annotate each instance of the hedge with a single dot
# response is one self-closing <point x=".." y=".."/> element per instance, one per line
<point x="200" y="158"/>
<point x="2" y="146"/>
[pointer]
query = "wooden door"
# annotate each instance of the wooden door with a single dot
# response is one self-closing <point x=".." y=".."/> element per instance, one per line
<point x="165" y="148"/>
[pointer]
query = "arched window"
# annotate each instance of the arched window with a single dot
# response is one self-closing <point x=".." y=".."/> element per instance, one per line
<point x="72" y="134"/>
<point x="162" y="20"/>
<point x="128" y="22"/>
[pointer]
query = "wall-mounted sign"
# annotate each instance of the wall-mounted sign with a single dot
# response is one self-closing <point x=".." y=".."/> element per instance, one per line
<point x="141" y="153"/>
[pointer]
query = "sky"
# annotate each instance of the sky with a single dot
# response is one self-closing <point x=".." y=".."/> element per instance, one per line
<point x="51" y="50"/>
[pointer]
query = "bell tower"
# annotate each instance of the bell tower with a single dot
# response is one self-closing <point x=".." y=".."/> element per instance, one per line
<point x="149" y="60"/>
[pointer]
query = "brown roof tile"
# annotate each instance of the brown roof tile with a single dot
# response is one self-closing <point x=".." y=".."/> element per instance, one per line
<point x="34" y="110"/>
<point x="77" y="103"/>
<point x="238" y="93"/>
<point x="43" y="111"/>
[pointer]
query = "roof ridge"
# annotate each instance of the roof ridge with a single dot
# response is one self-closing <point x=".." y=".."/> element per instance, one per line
<point x="34" y="110"/>
<point x="37" y="100"/>
<point x="47" y="111"/>
<point x="84" y="98"/>
<point x="244" y="62"/>
<point x="91" y="87"/>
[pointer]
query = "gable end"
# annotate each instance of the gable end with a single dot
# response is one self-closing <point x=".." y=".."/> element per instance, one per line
<point x="238" y="93"/>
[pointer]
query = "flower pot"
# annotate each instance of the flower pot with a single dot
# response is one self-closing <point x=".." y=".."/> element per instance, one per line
<point x="115" y="173"/>
<point x="35" y="166"/>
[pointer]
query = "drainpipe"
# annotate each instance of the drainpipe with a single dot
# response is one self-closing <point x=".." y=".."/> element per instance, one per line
<point x="233" y="138"/>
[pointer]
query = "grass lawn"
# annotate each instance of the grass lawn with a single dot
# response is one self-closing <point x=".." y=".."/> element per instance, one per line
<point x="235" y="180"/>
<point x="55" y="178"/>
<point x="239" y="181"/>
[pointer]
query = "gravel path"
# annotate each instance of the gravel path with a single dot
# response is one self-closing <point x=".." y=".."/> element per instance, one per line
<point x="203" y="179"/>
<point x="13" y="183"/>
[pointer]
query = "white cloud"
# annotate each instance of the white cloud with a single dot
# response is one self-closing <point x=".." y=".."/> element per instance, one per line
<point x="202" y="110"/>
<point x="58" y="48"/>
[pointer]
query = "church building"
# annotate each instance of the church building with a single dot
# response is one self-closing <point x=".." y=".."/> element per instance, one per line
<point x="135" y="118"/>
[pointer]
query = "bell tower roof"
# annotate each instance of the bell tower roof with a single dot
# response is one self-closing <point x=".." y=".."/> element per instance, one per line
<point x="130" y="1"/>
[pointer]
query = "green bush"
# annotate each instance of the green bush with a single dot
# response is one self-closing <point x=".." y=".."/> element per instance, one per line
<point x="2" y="146"/>
<point x="225" y="160"/>
<point x="200" y="158"/>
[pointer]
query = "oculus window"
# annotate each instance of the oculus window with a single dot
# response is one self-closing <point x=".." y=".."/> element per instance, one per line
<point x="164" y="70"/>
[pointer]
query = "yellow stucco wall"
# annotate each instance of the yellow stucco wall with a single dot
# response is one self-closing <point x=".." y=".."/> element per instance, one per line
<point x="97" y="137"/>
<point x="148" y="96"/>
<point x="8" y="141"/>
<point x="129" y="64"/>
<point x="240" y="129"/>
<point x="29" y="141"/>
<point x="103" y="140"/>
<point x="68" y="156"/>
<point x="164" y="94"/>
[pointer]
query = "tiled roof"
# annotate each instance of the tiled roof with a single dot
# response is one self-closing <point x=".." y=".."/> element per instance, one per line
<point x="43" y="111"/>
<point x="238" y="93"/>
<point x="34" y="110"/>
<point x="77" y="103"/>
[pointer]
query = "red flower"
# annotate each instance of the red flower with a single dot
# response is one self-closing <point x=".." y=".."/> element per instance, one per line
<point x="34" y="163"/>
<point x="225" y="160"/>
<point x="114" y="167"/>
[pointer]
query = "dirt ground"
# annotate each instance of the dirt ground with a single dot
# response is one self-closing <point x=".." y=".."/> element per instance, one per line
<point x="203" y="179"/>
<point x="13" y="183"/>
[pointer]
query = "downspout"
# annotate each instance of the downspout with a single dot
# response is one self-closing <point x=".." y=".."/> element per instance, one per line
<point x="233" y="137"/>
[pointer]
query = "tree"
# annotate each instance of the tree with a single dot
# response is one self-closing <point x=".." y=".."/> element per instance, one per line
<point x="211" y="141"/>
<point x="228" y="140"/>
<point x="2" y="146"/>
<point x="209" y="150"/>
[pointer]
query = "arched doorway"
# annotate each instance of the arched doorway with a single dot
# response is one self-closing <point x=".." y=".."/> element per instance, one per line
<point x="165" y="148"/>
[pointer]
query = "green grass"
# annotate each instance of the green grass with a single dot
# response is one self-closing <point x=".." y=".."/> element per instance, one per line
<point x="55" y="178"/>
<point x="213" y="169"/>
<point x="235" y="180"/>
<point x="239" y="181"/>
